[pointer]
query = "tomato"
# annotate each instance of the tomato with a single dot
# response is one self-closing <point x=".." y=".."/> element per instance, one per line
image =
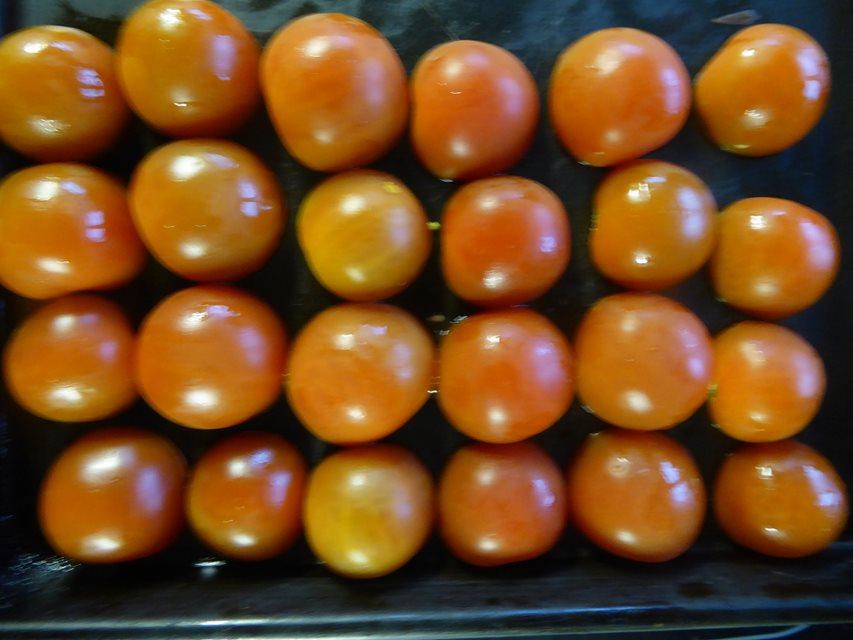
<point x="244" y="498"/>
<point x="781" y="499"/>
<point x="335" y="90"/>
<point x="207" y="209"/>
<point x="643" y="361"/>
<point x="368" y="510"/>
<point x="654" y="225"/>
<point x="364" y="235"/>
<point x="764" y="90"/>
<point x="475" y="108"/>
<point x="188" y="67"/>
<point x="72" y="360"/>
<point x="617" y="94"/>
<point x="501" y="503"/>
<point x="61" y="99"/>
<point x="636" y="495"/>
<point x="504" y="241"/>
<point x="65" y="228"/>
<point x="358" y="372"/>
<point x="505" y="375"/>
<point x="774" y="257"/>
<point x="767" y="384"/>
<point x="210" y="357"/>
<point x="113" y="495"/>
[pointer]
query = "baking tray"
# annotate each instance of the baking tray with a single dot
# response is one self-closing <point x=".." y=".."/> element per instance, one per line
<point x="186" y="593"/>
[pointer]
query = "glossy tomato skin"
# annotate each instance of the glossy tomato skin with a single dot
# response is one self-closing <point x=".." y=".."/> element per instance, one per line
<point x="475" y="108"/>
<point x="210" y="357"/>
<point x="368" y="510"/>
<point x="244" y="498"/>
<point x="114" y="495"/>
<point x="774" y="257"/>
<point x="501" y="503"/>
<point x="364" y="235"/>
<point x="188" y="67"/>
<point x="617" y="94"/>
<point x="209" y="210"/>
<point x="336" y="91"/>
<point x="61" y="100"/>
<point x="654" y="225"/>
<point x="72" y="360"/>
<point x="505" y="375"/>
<point x="781" y="499"/>
<point x="636" y="495"/>
<point x="768" y="383"/>
<point x="764" y="90"/>
<point x="65" y="227"/>
<point x="643" y="361"/>
<point x="358" y="372"/>
<point x="504" y="241"/>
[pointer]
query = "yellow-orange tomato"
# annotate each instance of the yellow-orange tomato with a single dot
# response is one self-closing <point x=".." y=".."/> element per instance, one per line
<point x="501" y="503"/>
<point x="475" y="108"/>
<point x="764" y="90"/>
<point x="617" y="94"/>
<point x="636" y="495"/>
<point x="336" y="91"/>
<point x="207" y="209"/>
<point x="767" y="382"/>
<point x="368" y="510"/>
<point x="244" y="498"/>
<point x="61" y="99"/>
<point x="210" y="357"/>
<point x="188" y="67"/>
<point x="113" y="495"/>
<point x="643" y="361"/>
<point x="774" y="257"/>
<point x="72" y="360"/>
<point x="505" y="375"/>
<point x="64" y="228"/>
<point x="504" y="241"/>
<point x="654" y="225"/>
<point x="358" y="372"/>
<point x="364" y="235"/>
<point x="781" y="499"/>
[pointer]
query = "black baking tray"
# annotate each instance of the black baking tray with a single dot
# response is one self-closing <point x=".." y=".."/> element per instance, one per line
<point x="186" y="593"/>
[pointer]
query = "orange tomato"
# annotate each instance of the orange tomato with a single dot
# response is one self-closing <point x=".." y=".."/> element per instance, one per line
<point x="61" y="99"/>
<point x="653" y="225"/>
<point x="475" y="107"/>
<point x="764" y="90"/>
<point x="781" y="499"/>
<point x="188" y="67"/>
<point x="207" y="209"/>
<point x="643" y="361"/>
<point x="210" y="357"/>
<point x="617" y="94"/>
<point x="336" y="91"/>
<point x="774" y="257"/>
<point x="65" y="228"/>
<point x="505" y="375"/>
<point x="504" y="241"/>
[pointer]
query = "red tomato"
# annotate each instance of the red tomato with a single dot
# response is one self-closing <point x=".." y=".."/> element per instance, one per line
<point x="617" y="94"/>
<point x="336" y="91"/>
<point x="475" y="108"/>
<point x="210" y="357"/>
<point x="504" y="241"/>
<point x="61" y="99"/>
<point x="637" y="495"/>
<point x="505" y="375"/>
<point x="113" y="495"/>
<point x="501" y="503"/>
<point x="643" y="361"/>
